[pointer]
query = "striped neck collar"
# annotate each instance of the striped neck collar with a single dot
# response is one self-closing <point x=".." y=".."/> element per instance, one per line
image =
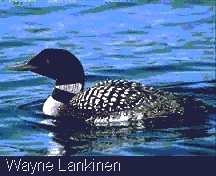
<point x="64" y="93"/>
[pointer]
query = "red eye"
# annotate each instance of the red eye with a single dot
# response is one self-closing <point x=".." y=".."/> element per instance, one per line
<point x="47" y="61"/>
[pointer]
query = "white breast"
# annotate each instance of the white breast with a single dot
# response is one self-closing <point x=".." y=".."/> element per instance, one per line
<point x="51" y="106"/>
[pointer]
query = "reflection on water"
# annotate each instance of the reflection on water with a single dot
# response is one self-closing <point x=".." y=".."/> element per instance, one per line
<point x="74" y="136"/>
<point x="83" y="138"/>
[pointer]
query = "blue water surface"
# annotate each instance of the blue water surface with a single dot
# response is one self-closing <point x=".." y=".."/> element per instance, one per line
<point x="168" y="45"/>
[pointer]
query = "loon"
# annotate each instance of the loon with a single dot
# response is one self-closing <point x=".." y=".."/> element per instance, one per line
<point x="108" y="100"/>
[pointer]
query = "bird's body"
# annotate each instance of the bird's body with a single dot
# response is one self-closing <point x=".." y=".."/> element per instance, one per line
<point x="119" y="99"/>
<point x="107" y="101"/>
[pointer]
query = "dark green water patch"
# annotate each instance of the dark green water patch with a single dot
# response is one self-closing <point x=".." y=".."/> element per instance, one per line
<point x="151" y="51"/>
<point x="37" y="30"/>
<point x="22" y="83"/>
<point x="45" y="39"/>
<point x="86" y="36"/>
<point x="191" y="24"/>
<point x="198" y="44"/>
<point x="131" y="41"/>
<point x="67" y="45"/>
<point x="32" y="23"/>
<point x="9" y="37"/>
<point x="8" y="44"/>
<point x="72" y="32"/>
<point x="131" y="32"/>
<point x="119" y="56"/>
<point x="109" y="6"/>
<point x="97" y="48"/>
<point x="181" y="40"/>
<point x="146" y="71"/>
<point x="26" y="10"/>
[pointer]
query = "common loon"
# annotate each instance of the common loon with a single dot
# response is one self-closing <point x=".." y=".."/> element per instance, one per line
<point x="109" y="100"/>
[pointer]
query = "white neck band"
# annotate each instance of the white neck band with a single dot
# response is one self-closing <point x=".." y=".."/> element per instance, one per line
<point x="72" y="88"/>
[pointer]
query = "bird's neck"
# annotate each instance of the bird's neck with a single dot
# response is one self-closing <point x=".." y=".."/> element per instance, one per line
<point x="64" y="93"/>
<point x="61" y="94"/>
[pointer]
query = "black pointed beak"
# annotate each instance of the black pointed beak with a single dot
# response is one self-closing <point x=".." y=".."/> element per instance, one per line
<point x="21" y="67"/>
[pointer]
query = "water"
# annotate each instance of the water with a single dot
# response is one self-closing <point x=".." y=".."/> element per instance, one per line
<point x="168" y="45"/>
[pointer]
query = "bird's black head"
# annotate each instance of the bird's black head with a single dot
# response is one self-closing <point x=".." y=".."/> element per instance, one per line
<point x="58" y="64"/>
